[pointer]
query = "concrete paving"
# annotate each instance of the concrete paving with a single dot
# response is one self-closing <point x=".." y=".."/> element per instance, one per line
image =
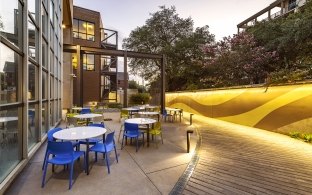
<point x="151" y="170"/>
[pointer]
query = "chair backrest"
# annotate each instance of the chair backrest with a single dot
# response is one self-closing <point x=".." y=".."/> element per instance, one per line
<point x="72" y="121"/>
<point x="165" y="112"/>
<point x="124" y="113"/>
<point x="110" y="138"/>
<point x="97" y="125"/>
<point x="85" y="111"/>
<point x="60" y="148"/>
<point x="157" y="125"/>
<point x="98" y="119"/>
<point x="51" y="132"/>
<point x="131" y="127"/>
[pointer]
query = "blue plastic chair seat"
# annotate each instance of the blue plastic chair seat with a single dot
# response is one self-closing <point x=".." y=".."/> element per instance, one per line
<point x="100" y="147"/>
<point x="65" y="159"/>
<point x="92" y="141"/>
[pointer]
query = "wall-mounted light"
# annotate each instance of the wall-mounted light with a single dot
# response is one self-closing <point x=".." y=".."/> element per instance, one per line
<point x="73" y="75"/>
<point x="63" y="26"/>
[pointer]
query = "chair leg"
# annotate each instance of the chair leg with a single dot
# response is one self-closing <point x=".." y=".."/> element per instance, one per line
<point x="71" y="174"/>
<point x="45" y="156"/>
<point x="95" y="156"/>
<point x="137" y="144"/>
<point x="107" y="162"/>
<point x="162" y="141"/>
<point x="123" y="137"/>
<point x="116" y="154"/>
<point x="44" y="174"/>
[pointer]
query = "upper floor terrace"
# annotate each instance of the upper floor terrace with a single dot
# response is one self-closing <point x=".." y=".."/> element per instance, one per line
<point x="275" y="10"/>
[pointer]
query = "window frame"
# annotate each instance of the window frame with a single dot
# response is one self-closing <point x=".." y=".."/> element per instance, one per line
<point x="80" y="32"/>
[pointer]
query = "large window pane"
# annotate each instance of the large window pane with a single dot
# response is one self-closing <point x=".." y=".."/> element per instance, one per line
<point x="88" y="62"/>
<point x="32" y="82"/>
<point x="75" y="28"/>
<point x="44" y="128"/>
<point x="44" y="53"/>
<point x="32" y="40"/>
<point x="82" y="27"/>
<point x="9" y="147"/>
<point x="32" y="130"/>
<point x="32" y="7"/>
<point x="9" y="61"/>
<point x="44" y="85"/>
<point x="51" y="12"/>
<point x="44" y="15"/>
<point x="11" y="18"/>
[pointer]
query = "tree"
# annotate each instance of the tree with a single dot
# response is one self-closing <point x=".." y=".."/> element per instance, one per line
<point x="166" y="33"/>
<point x="238" y="60"/>
<point x="291" y="37"/>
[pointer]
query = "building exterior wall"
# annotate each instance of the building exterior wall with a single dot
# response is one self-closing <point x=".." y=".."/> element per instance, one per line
<point x="282" y="109"/>
<point x="31" y="69"/>
<point x="90" y="82"/>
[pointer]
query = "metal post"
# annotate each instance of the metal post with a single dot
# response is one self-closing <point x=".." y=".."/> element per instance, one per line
<point x="163" y="83"/>
<point x="125" y="100"/>
<point x="188" y="132"/>
<point x="191" y="119"/>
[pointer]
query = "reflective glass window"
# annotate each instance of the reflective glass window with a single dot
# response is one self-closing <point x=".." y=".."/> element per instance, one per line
<point x="32" y="81"/>
<point x="32" y="130"/>
<point x="44" y="85"/>
<point x="11" y="26"/>
<point x="32" y="40"/>
<point x="88" y="62"/>
<point x="9" y="150"/>
<point x="9" y="61"/>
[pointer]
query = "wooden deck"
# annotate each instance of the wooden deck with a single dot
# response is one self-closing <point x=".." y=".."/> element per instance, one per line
<point x="239" y="160"/>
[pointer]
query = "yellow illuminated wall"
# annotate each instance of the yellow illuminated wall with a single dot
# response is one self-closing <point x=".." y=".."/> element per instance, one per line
<point x="281" y="108"/>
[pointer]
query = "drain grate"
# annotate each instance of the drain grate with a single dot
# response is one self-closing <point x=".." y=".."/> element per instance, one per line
<point x="180" y="185"/>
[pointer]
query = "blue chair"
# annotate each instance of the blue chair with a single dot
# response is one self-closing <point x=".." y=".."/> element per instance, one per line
<point x="132" y="131"/>
<point x="166" y="115"/>
<point x="62" y="154"/>
<point x="107" y="146"/>
<point x="85" y="111"/>
<point x="51" y="138"/>
<point x="93" y="141"/>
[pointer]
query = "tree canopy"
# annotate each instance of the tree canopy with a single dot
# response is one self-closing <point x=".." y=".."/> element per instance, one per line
<point x="167" y="33"/>
<point x="278" y="50"/>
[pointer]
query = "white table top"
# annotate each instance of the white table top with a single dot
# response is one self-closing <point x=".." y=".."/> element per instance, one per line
<point x="149" y="113"/>
<point x="173" y="109"/>
<point x="140" y="121"/>
<point x="9" y="118"/>
<point x="150" y="106"/>
<point x="85" y="116"/>
<point x="78" y="133"/>
<point x="76" y="108"/>
<point x="131" y="109"/>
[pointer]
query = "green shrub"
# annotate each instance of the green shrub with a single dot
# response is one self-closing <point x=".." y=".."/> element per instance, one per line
<point x="139" y="98"/>
<point x="114" y="105"/>
<point x="294" y="134"/>
<point x="307" y="137"/>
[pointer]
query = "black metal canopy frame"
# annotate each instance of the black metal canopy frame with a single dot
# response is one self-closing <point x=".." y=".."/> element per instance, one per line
<point x="119" y="53"/>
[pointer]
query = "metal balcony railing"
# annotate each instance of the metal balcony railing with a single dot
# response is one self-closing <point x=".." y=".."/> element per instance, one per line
<point x="292" y="6"/>
<point x="109" y="38"/>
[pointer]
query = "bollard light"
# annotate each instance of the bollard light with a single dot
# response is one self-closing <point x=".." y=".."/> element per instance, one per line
<point x="188" y="132"/>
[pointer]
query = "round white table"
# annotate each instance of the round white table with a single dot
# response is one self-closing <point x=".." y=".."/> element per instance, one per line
<point x="142" y="121"/>
<point x="76" y="108"/>
<point x="87" y="116"/>
<point x="79" y="133"/>
<point x="147" y="113"/>
<point x="131" y="110"/>
<point x="8" y="118"/>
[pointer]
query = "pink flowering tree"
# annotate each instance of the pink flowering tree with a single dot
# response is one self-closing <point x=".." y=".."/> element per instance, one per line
<point x="238" y="60"/>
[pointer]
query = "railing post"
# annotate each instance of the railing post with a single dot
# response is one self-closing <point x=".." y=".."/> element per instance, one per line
<point x="191" y="119"/>
<point x="188" y="132"/>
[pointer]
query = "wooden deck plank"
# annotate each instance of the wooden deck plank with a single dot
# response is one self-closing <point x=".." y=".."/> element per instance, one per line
<point x="238" y="163"/>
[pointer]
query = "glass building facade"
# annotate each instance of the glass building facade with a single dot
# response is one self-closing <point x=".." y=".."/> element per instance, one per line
<point x="30" y="78"/>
